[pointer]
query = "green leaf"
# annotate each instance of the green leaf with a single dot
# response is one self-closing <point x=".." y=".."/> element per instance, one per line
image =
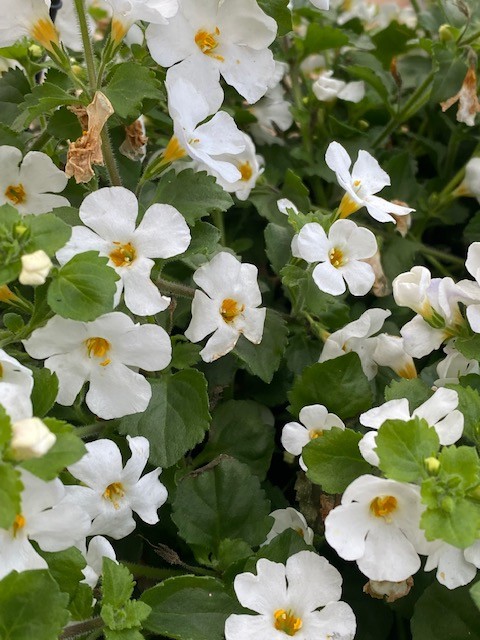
<point x="403" y="447"/>
<point x="225" y="501"/>
<point x="445" y="614"/>
<point x="64" y="125"/>
<point x="323" y="37"/>
<point x="458" y="526"/>
<point x="391" y="41"/>
<point x="286" y="544"/>
<point x="475" y="594"/>
<point x="66" y="567"/>
<point x="68" y="448"/>
<point x="189" y="608"/>
<point x="117" y="583"/>
<point x="31" y="606"/>
<point x="129" y="616"/>
<point x="449" y="74"/>
<point x="253" y="444"/>
<point x="205" y="239"/>
<point x="43" y="98"/>
<point x="45" y="390"/>
<point x="129" y="85"/>
<point x="83" y="288"/>
<point x="263" y="359"/>
<point x="172" y="425"/>
<point x="469" y="405"/>
<point x="278" y="241"/>
<point x="339" y="384"/>
<point x="5" y="428"/>
<point x="194" y="194"/>
<point x="334" y="459"/>
<point x="47" y="232"/>
<point x="10" y="496"/>
<point x="416" y="391"/>
<point x="13" y="86"/>
<point x="469" y="347"/>
<point x="279" y="11"/>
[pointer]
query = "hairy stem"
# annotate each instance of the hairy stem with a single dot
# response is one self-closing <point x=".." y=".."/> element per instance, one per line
<point x="175" y="289"/>
<point x="82" y="628"/>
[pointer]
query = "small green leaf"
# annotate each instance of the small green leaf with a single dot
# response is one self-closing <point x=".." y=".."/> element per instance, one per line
<point x="334" y="459"/>
<point x="5" y="428"/>
<point x="117" y="584"/>
<point x="469" y="405"/>
<point x="280" y="12"/>
<point x="45" y="390"/>
<point x="416" y="391"/>
<point x="13" y="86"/>
<point x="44" y="97"/>
<point x="129" y="85"/>
<point x="10" y="496"/>
<point x="469" y="347"/>
<point x="48" y="233"/>
<point x="83" y="288"/>
<point x="323" y="37"/>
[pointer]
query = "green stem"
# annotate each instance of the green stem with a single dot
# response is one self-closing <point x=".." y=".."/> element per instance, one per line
<point x="93" y="429"/>
<point x="219" y="222"/>
<point x="87" y="43"/>
<point x="470" y="39"/>
<point x="317" y="328"/>
<point x="175" y="289"/>
<point x="82" y="628"/>
<point x="109" y="159"/>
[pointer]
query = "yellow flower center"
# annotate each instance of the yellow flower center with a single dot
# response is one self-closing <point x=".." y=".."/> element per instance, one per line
<point x="246" y="170"/>
<point x="98" y="348"/>
<point x="337" y="258"/>
<point x="348" y="205"/>
<point x="230" y="309"/>
<point x="44" y="32"/>
<point x="16" y="194"/>
<point x="114" y="492"/>
<point x="383" y="507"/>
<point x="18" y="524"/>
<point x="287" y="622"/>
<point x="207" y="42"/>
<point x="173" y="151"/>
<point x="123" y="255"/>
<point x="315" y="433"/>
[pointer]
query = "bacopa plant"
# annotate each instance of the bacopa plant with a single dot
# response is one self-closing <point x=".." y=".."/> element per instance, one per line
<point x="240" y="320"/>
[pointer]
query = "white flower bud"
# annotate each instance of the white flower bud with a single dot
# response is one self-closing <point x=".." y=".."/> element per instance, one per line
<point x="410" y="290"/>
<point x="31" y="438"/>
<point x="35" y="268"/>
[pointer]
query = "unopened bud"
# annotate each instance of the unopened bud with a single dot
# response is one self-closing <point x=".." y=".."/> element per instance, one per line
<point x="445" y="33"/>
<point x="35" y="268"/>
<point x="31" y="438"/>
<point x="432" y="465"/>
<point x="20" y="229"/>
<point x="35" y="51"/>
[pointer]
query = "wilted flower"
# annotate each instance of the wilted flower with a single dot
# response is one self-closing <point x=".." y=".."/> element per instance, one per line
<point x="468" y="104"/>
<point x="390" y="591"/>
<point x="134" y="146"/>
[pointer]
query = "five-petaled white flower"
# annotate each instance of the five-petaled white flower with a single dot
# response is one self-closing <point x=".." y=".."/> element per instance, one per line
<point x="365" y="179"/>
<point x="314" y="420"/>
<point x="287" y="599"/>
<point x="339" y="255"/>
<point x="228" y="308"/>
<point x="230" y="38"/>
<point x="126" y="12"/>
<point x="440" y="411"/>
<point x="377" y="524"/>
<point x="111" y="214"/>
<point x="110" y="492"/>
<point x="45" y="517"/>
<point x="455" y="567"/>
<point x="27" y="18"/>
<point x="27" y="187"/>
<point x="107" y="353"/>
<point x="16" y="384"/>
<point x="289" y="518"/>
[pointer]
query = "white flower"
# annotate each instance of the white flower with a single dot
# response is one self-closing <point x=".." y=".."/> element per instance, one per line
<point x="377" y="524"/>
<point x="327" y="88"/>
<point x="440" y="411"/>
<point x="107" y="353"/>
<point x="455" y="567"/>
<point x="110" y="492"/>
<point x="453" y="367"/>
<point x="230" y="38"/>
<point x="472" y="265"/>
<point x="390" y="352"/>
<point x="98" y="549"/>
<point x="289" y="518"/>
<point x="205" y="143"/>
<point x="284" y="204"/>
<point x="366" y="179"/>
<point x="360" y="9"/>
<point x="111" y="214"/>
<point x="31" y="438"/>
<point x="287" y="599"/>
<point x="16" y="384"/>
<point x="340" y="255"/>
<point x="314" y="420"/>
<point x="357" y="337"/>
<point x="35" y="268"/>
<point x="27" y="18"/>
<point x="272" y="111"/>
<point x="126" y="12"/>
<point x="228" y="307"/>
<point x="321" y="4"/>
<point x="47" y="519"/>
<point x="27" y="187"/>
<point x="470" y="185"/>
<point x="410" y="290"/>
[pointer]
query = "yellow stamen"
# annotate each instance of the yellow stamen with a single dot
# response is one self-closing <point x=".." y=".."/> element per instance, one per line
<point x="98" y="347"/>
<point x="315" y="433"/>
<point x="230" y="309"/>
<point x="207" y="42"/>
<point x="18" y="524"/>
<point x="118" y="30"/>
<point x="16" y="194"/>
<point x="246" y="170"/>
<point x="44" y="32"/>
<point x="348" y="206"/>
<point x="383" y="506"/>
<point x="336" y="257"/>
<point x="173" y="151"/>
<point x="114" y="492"/>
<point x="287" y="622"/>
<point x="123" y="255"/>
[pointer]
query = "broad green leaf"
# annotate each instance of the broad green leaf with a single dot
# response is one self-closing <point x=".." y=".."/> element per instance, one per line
<point x="469" y="347"/>
<point x="278" y="242"/>
<point x="117" y="583"/>
<point x="263" y="359"/>
<point x="391" y="42"/>
<point x="45" y="390"/>
<point x="403" y="448"/>
<point x="339" y="384"/>
<point x="66" y="567"/>
<point x="224" y="501"/>
<point x="287" y="544"/>
<point x="5" y="428"/>
<point x="194" y="194"/>
<point x="129" y="85"/>
<point x="334" y="459"/>
<point x="48" y="233"/>
<point x="13" y="86"/>
<point x="68" y="448"/>
<point x="449" y="76"/>
<point x="445" y="614"/>
<point x="416" y="391"/>
<point x="280" y="12"/>
<point x="322" y="37"/>
<point x="42" y="99"/>
<point x="458" y="525"/>
<point x="10" y="497"/>
<point x="469" y="405"/>
<point x="252" y="444"/>
<point x="189" y="608"/>
<point x="205" y="239"/>
<point x="64" y="125"/>
<point x="172" y="424"/>
<point x="31" y="606"/>
<point x="83" y="288"/>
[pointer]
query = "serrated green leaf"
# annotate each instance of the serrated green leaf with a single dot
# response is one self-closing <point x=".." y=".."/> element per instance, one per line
<point x="416" y="391"/>
<point x="117" y="584"/>
<point x="45" y="390"/>
<point x="83" y="288"/>
<point x="43" y="98"/>
<point x="172" y="425"/>
<point x="334" y="459"/>
<point x="469" y="405"/>
<point x="48" y="233"/>
<point x="13" y="86"/>
<point x="469" y="347"/>
<point x="10" y="495"/>
<point x="129" y="85"/>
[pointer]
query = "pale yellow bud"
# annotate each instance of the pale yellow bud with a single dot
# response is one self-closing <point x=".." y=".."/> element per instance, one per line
<point x="35" y="268"/>
<point x="31" y="438"/>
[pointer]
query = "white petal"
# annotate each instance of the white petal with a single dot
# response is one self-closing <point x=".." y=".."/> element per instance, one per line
<point x="367" y="446"/>
<point x="147" y="496"/>
<point x="140" y="450"/>
<point x="312" y="581"/>
<point x="339" y="161"/>
<point x="116" y="391"/>
<point x="59" y="528"/>
<point x="162" y="233"/>
<point x="248" y="70"/>
<point x="142" y="297"/>
<point x="329" y="279"/>
<point x="205" y="317"/>
<point x="346" y="527"/>
<point x="294" y="437"/>
<point x="81" y="240"/>
<point x="253" y="322"/>
<point x="359" y="277"/>
<point x="217" y="276"/>
<point x="314" y="416"/>
<point x="312" y="244"/>
<point x="336" y="620"/>
<point x="420" y="338"/>
<point x="391" y="410"/>
<point x="72" y="370"/>
<point x="366" y="169"/>
<point x="265" y="592"/>
<point x="111" y="212"/>
<point x="100" y="466"/>
<point x="222" y="341"/>
<point x="389" y="555"/>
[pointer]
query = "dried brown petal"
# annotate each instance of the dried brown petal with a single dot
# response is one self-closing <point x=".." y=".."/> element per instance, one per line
<point x="390" y="591"/>
<point x="134" y="145"/>
<point x="468" y="104"/>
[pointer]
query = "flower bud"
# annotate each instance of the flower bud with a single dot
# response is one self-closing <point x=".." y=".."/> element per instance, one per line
<point x="445" y="33"/>
<point x="31" y="438"/>
<point x="390" y="352"/>
<point x="470" y="185"/>
<point x="410" y="290"/>
<point x="35" y="268"/>
<point x="432" y="465"/>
